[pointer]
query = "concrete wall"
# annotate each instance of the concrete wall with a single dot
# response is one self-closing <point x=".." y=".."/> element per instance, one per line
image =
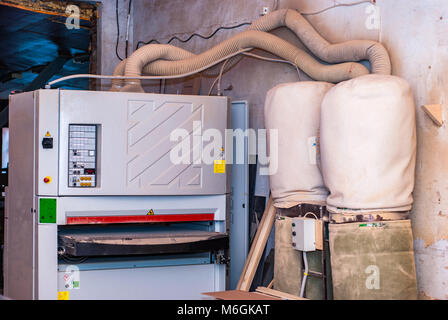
<point x="107" y="36"/>
<point x="414" y="33"/>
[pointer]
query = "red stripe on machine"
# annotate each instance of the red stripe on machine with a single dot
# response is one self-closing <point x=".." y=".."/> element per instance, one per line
<point x="141" y="218"/>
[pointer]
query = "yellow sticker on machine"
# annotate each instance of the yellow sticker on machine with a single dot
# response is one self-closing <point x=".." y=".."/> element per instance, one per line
<point x="63" y="295"/>
<point x="219" y="166"/>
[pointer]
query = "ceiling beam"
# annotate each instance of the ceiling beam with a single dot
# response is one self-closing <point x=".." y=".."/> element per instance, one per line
<point x="39" y="82"/>
<point x="51" y="69"/>
<point x="56" y="7"/>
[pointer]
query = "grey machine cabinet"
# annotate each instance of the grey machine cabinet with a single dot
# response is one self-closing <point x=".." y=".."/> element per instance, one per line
<point x="96" y="208"/>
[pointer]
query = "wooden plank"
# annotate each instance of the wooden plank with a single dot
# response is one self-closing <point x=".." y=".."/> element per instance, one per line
<point x="279" y="294"/>
<point x="257" y="248"/>
<point x="434" y="111"/>
<point x="251" y="251"/>
<point x="240" y="295"/>
<point x="318" y="226"/>
<point x="255" y="240"/>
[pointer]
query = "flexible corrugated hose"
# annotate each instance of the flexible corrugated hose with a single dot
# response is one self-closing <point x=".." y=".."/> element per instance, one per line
<point x="157" y="59"/>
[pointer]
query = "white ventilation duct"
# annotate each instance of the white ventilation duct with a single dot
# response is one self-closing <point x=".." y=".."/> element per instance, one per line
<point x="247" y="39"/>
<point x="167" y="60"/>
<point x="162" y="51"/>
<point x="354" y="50"/>
<point x="293" y="109"/>
<point x="368" y="144"/>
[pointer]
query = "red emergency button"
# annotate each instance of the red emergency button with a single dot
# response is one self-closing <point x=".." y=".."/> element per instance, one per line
<point x="47" y="179"/>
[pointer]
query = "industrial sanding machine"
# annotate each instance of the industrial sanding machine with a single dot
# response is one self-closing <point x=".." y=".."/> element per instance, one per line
<point x="96" y="207"/>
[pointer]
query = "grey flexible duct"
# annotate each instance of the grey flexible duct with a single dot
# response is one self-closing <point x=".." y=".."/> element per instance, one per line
<point x="354" y="50"/>
<point x="147" y="59"/>
<point x="243" y="40"/>
<point x="163" y="51"/>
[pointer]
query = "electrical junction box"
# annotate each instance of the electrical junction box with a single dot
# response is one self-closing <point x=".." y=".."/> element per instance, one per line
<point x="304" y="234"/>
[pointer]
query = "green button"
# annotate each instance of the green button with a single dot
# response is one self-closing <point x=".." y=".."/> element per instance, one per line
<point x="47" y="210"/>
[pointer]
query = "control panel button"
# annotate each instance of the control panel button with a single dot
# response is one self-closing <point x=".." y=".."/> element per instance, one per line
<point x="47" y="143"/>
<point x="47" y="179"/>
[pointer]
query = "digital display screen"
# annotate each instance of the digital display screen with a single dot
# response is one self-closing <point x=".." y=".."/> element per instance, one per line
<point x="89" y="171"/>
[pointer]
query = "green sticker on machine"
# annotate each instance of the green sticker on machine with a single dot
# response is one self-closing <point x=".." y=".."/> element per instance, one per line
<point x="47" y="210"/>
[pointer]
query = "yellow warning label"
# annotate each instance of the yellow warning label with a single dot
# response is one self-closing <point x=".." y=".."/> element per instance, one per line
<point x="219" y="166"/>
<point x="150" y="213"/>
<point x="63" y="295"/>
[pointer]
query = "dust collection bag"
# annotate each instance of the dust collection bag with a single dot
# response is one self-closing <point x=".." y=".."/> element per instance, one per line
<point x="373" y="261"/>
<point x="287" y="260"/>
<point x="368" y="144"/>
<point x="293" y="109"/>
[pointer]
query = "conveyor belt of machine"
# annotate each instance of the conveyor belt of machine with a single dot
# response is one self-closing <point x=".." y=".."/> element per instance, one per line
<point x="139" y="242"/>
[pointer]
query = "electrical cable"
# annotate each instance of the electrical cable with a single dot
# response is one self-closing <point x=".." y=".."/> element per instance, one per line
<point x="212" y="86"/>
<point x="218" y="79"/>
<point x="127" y="27"/>
<point x="248" y="23"/>
<point x="220" y="76"/>
<point x="338" y="5"/>
<point x="194" y="35"/>
<point x="305" y="261"/>
<point x="118" y="31"/>
<point x="272" y="60"/>
<point x="312" y="214"/>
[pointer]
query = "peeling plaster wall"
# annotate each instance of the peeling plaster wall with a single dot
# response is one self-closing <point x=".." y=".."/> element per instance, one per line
<point x="415" y="33"/>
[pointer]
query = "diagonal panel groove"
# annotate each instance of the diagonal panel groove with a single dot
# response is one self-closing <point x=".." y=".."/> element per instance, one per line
<point x="159" y="150"/>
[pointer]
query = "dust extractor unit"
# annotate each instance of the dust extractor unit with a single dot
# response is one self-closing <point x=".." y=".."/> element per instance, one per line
<point x="94" y="168"/>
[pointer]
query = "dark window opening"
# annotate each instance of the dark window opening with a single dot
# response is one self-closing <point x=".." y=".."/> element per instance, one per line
<point x="40" y="43"/>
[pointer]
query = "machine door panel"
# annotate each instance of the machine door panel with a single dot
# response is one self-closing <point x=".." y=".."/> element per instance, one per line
<point x="182" y="282"/>
<point x="119" y="144"/>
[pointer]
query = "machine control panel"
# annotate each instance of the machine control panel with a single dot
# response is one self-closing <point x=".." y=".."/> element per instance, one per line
<point x="82" y="158"/>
